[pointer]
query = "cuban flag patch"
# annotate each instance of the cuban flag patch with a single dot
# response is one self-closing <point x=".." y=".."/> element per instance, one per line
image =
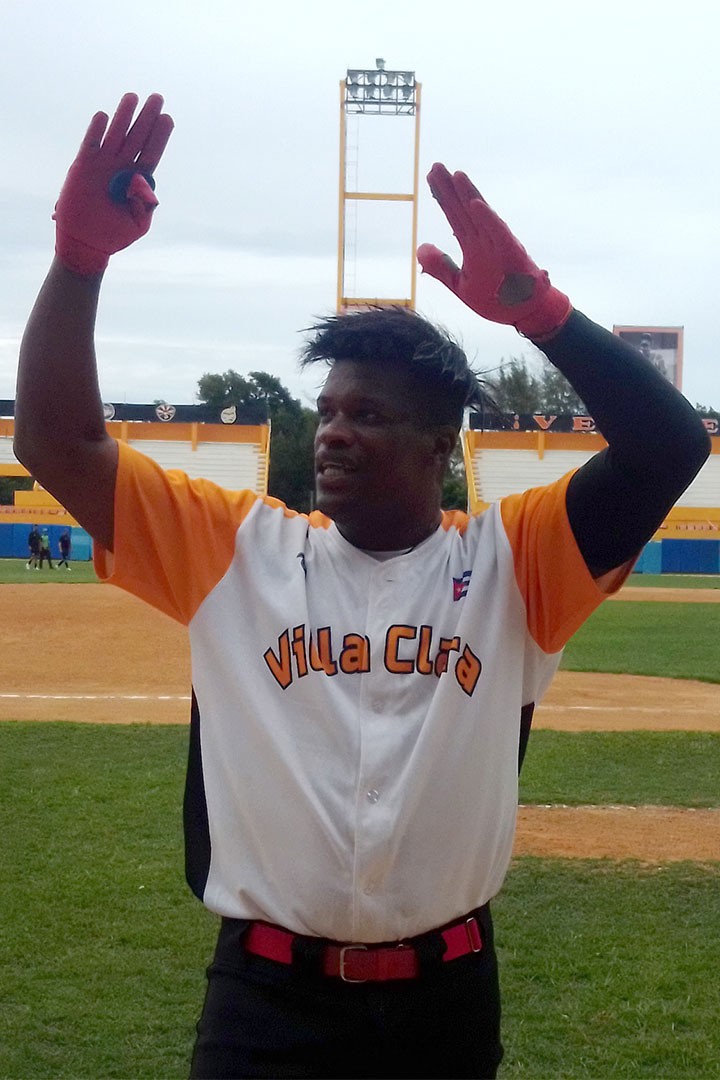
<point x="460" y="585"/>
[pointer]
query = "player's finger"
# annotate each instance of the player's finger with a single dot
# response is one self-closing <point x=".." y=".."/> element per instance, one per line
<point x="156" y="142"/>
<point x="93" y="136"/>
<point x="138" y="134"/>
<point x="442" y="187"/>
<point x="465" y="187"/>
<point x="120" y="123"/>
<point x="438" y="265"/>
<point x="494" y="234"/>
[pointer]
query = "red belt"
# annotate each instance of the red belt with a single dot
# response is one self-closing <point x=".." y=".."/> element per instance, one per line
<point x="364" y="963"/>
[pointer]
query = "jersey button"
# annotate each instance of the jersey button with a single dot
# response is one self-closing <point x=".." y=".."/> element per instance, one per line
<point x="372" y="795"/>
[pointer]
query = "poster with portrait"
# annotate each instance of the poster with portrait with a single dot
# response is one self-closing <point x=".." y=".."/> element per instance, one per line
<point x="661" y="345"/>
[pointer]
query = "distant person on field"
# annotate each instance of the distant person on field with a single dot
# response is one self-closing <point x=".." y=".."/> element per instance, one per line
<point x="364" y="676"/>
<point x="45" y="549"/>
<point x="34" y="546"/>
<point x="64" y="544"/>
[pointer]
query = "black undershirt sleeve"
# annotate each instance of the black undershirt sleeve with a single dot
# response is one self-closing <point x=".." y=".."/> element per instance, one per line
<point x="656" y="443"/>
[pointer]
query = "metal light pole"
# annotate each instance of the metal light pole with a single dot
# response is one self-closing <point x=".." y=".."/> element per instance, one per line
<point x="376" y="91"/>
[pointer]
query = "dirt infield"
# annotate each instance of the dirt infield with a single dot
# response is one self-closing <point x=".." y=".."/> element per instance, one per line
<point x="94" y="654"/>
<point x="592" y="701"/>
<point x="675" y="596"/>
<point x="650" y="834"/>
<point x="103" y="657"/>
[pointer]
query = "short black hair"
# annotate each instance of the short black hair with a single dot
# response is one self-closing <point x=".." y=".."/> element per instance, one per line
<point x="399" y="337"/>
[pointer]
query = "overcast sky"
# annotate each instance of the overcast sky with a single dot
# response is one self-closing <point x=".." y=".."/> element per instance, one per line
<point x="592" y="129"/>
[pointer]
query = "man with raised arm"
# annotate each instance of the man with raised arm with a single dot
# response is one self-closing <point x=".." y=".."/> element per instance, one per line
<point x="364" y="677"/>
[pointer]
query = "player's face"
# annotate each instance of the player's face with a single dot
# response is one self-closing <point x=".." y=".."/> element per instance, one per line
<point x="378" y="472"/>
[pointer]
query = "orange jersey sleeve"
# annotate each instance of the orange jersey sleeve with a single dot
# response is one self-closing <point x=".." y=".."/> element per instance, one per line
<point x="558" y="590"/>
<point x="174" y="537"/>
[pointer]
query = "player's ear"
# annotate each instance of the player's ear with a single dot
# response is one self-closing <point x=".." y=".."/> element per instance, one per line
<point x="444" y="442"/>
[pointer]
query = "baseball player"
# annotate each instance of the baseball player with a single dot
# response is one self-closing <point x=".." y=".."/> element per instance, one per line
<point x="364" y="677"/>
<point x="34" y="549"/>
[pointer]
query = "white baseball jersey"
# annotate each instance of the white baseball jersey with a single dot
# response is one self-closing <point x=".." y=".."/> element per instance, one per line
<point x="354" y="746"/>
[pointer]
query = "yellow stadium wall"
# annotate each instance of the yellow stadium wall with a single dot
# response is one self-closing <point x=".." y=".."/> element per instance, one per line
<point x="217" y="451"/>
<point x="498" y="463"/>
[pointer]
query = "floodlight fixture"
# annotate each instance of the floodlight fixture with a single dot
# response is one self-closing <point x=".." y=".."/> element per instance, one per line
<point x="376" y="90"/>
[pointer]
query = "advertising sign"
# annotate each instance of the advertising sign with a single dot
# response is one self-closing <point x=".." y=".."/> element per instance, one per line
<point x="661" y="345"/>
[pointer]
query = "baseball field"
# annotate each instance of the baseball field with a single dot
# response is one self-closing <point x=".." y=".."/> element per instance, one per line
<point x="608" y="926"/>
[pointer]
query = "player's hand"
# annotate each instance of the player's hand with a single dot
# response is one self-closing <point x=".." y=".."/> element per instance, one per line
<point x="498" y="279"/>
<point x="92" y="221"/>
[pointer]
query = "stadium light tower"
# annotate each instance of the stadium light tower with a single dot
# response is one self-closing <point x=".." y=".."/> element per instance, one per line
<point x="379" y="92"/>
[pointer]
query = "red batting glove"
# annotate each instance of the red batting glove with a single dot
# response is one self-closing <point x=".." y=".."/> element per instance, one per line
<point x="90" y="223"/>
<point x="498" y="278"/>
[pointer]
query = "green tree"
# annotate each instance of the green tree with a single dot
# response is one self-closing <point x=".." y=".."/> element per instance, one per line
<point x="455" y="490"/>
<point x="533" y="386"/>
<point x="10" y="484"/>
<point x="291" y="476"/>
<point x="558" y="395"/>
<point x="515" y="387"/>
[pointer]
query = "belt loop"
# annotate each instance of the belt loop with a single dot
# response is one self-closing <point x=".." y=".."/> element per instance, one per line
<point x="307" y="954"/>
<point x="430" y="950"/>
<point x="484" y="919"/>
<point x="473" y="934"/>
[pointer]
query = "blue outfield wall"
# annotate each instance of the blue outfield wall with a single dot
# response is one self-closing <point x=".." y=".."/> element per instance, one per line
<point x="650" y="561"/>
<point x="679" y="557"/>
<point x="14" y="545"/>
<point x="690" y="556"/>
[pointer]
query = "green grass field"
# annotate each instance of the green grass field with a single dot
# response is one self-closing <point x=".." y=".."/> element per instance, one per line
<point x="609" y="970"/>
<point x="660" y="768"/>
<point x="675" y="581"/>
<point x="675" y="641"/>
<point x="14" y="572"/>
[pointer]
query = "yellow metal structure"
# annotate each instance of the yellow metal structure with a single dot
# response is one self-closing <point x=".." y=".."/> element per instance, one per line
<point x="345" y="303"/>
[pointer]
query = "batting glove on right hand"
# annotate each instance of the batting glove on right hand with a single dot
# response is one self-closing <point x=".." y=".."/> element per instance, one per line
<point x="107" y="200"/>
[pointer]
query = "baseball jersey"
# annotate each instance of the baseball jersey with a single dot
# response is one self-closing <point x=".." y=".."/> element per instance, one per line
<point x="354" y="738"/>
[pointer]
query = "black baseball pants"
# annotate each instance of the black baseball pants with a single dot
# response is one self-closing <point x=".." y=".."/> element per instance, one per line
<point x="262" y="1018"/>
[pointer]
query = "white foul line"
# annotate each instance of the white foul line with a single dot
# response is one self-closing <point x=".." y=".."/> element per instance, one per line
<point x="673" y="706"/>
<point x="186" y="697"/>
<point x="101" y="697"/>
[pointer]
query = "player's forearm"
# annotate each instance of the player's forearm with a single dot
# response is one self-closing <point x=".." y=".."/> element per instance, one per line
<point x="643" y="417"/>
<point x="656" y="443"/>
<point x="58" y="402"/>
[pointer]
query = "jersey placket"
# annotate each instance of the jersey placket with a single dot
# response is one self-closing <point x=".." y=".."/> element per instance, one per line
<point x="374" y="815"/>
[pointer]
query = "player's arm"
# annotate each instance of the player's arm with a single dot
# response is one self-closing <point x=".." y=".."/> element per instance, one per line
<point x="656" y="443"/>
<point x="106" y="203"/>
<point x="60" y="433"/>
<point x="617" y="500"/>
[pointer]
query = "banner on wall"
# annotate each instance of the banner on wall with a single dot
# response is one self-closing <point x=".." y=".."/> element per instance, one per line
<point x="166" y="413"/>
<point x="547" y="422"/>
